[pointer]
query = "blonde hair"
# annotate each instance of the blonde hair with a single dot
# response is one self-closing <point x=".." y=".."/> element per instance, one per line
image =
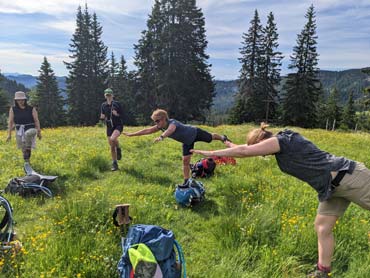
<point x="257" y="135"/>
<point x="159" y="113"/>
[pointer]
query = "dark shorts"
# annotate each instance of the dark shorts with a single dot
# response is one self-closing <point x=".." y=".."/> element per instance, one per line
<point x="111" y="129"/>
<point x="202" y="136"/>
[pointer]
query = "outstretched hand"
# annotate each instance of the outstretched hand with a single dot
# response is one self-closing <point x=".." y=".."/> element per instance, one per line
<point x="229" y="144"/>
<point x="205" y="153"/>
<point x="126" y="133"/>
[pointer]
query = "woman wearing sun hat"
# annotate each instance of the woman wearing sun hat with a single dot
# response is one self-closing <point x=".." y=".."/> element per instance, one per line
<point x="26" y="122"/>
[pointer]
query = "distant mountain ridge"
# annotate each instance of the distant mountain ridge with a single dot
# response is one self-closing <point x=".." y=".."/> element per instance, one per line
<point x="30" y="81"/>
<point x="345" y="81"/>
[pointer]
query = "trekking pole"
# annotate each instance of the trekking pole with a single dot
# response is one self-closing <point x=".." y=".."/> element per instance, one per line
<point x="122" y="219"/>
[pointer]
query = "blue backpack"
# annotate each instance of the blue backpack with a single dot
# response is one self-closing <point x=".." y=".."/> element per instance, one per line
<point x="190" y="193"/>
<point x="161" y="243"/>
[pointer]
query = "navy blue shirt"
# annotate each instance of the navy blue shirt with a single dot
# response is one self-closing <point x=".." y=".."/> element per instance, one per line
<point x="303" y="160"/>
<point x="185" y="134"/>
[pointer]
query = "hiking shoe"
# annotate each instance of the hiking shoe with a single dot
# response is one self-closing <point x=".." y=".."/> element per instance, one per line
<point x="224" y="139"/>
<point x="27" y="168"/>
<point x="119" y="153"/>
<point x="114" y="166"/>
<point x="318" y="274"/>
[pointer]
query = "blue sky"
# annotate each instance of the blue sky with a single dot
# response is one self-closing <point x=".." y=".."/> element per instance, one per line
<point x="31" y="30"/>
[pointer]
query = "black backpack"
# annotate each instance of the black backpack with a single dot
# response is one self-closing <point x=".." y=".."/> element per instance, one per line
<point x="203" y="168"/>
<point x="27" y="186"/>
<point x="7" y="233"/>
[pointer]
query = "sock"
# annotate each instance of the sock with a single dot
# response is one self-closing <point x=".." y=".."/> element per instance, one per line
<point x="185" y="180"/>
<point x="326" y="269"/>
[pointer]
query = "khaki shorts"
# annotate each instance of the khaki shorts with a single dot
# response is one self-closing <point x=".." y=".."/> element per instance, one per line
<point x="354" y="188"/>
<point x="29" y="139"/>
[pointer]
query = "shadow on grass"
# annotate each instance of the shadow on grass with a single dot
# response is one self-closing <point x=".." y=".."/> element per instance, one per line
<point x="147" y="177"/>
<point x="206" y="209"/>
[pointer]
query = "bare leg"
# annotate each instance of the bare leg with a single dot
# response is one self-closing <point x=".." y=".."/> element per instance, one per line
<point x="26" y="154"/>
<point x="113" y="142"/>
<point x="216" y="136"/>
<point x="186" y="166"/>
<point x="324" y="225"/>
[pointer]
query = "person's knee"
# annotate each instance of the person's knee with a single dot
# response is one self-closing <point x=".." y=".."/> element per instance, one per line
<point x="323" y="228"/>
<point x="113" y="141"/>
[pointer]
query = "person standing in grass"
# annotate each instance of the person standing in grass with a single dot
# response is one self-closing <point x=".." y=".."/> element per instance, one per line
<point x="26" y="122"/>
<point x="111" y="112"/>
<point x="337" y="180"/>
<point x="186" y="134"/>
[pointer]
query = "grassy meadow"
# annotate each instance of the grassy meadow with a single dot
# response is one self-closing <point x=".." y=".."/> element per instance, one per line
<point x="255" y="222"/>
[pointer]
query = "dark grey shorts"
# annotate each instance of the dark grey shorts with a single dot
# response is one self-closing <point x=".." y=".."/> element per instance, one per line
<point x="202" y="136"/>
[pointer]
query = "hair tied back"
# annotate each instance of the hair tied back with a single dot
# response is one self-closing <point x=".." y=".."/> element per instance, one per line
<point x="264" y="126"/>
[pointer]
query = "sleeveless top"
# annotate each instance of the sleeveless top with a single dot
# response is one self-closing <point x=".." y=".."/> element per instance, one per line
<point x="23" y="117"/>
<point x="303" y="160"/>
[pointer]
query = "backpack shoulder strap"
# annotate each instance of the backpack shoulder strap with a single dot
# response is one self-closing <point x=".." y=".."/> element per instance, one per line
<point x="180" y="256"/>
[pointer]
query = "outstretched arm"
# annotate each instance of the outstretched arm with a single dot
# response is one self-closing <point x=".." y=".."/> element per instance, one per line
<point x="171" y="129"/>
<point x="37" y="122"/>
<point x="265" y="147"/>
<point x="145" y="131"/>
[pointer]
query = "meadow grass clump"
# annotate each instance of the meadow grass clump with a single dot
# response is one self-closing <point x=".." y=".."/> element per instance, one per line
<point x="255" y="222"/>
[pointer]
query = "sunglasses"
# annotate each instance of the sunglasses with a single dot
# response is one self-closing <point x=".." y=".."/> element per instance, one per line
<point x="157" y="121"/>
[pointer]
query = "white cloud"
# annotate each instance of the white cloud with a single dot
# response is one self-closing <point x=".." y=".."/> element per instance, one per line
<point x="343" y="28"/>
<point x="67" y="26"/>
<point x="55" y="7"/>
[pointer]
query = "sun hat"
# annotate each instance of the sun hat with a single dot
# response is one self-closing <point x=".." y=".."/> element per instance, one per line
<point x="108" y="92"/>
<point x="19" y="95"/>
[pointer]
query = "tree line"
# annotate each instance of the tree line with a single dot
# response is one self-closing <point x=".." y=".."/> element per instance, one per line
<point x="172" y="72"/>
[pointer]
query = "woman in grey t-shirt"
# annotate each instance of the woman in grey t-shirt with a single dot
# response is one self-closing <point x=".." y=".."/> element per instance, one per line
<point x="337" y="180"/>
<point x="186" y="134"/>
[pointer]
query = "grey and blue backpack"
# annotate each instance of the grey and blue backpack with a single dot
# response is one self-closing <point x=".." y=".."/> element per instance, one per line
<point x="190" y="193"/>
<point x="162" y="245"/>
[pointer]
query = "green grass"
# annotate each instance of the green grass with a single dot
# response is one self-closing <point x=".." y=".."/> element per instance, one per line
<point x="255" y="222"/>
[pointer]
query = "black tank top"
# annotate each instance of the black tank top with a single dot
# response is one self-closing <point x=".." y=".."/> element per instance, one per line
<point x="23" y="117"/>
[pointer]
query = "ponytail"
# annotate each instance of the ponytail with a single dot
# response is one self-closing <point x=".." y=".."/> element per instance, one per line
<point x="257" y="135"/>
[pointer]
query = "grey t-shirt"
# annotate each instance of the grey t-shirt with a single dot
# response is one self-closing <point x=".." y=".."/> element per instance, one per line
<point x="303" y="160"/>
<point x="184" y="133"/>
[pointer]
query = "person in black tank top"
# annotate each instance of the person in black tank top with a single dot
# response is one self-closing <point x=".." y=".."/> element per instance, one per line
<point x="26" y="122"/>
<point x="111" y="112"/>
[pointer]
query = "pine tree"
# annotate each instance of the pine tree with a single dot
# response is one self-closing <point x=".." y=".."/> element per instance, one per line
<point x="333" y="112"/>
<point x="172" y="63"/>
<point x="145" y="51"/>
<point x="302" y="88"/>
<point x="271" y="64"/>
<point x="47" y="97"/>
<point x="349" y="113"/>
<point x="4" y="100"/>
<point x="125" y="92"/>
<point x="88" y="70"/>
<point x="249" y="101"/>
<point x="100" y="68"/>
<point x="113" y="75"/>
